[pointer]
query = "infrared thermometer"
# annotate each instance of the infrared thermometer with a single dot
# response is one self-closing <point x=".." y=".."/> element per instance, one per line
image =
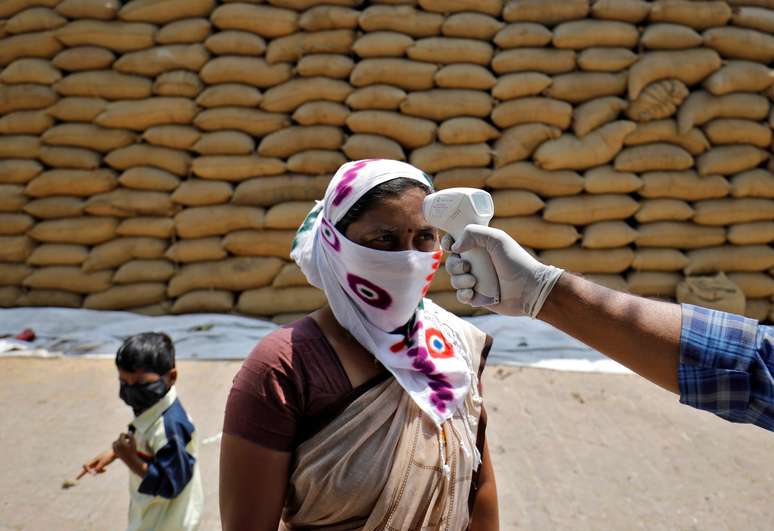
<point x="452" y="210"/>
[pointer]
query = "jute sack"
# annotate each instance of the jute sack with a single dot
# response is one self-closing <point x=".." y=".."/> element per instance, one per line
<point x="49" y="254"/>
<point x="448" y="301"/>
<point x="700" y="15"/>
<point x="442" y="104"/>
<point x="251" y="70"/>
<point x="130" y="296"/>
<point x="741" y="43"/>
<point x="102" y="139"/>
<point x="726" y="160"/>
<point x="660" y="99"/>
<point x="142" y="114"/>
<point x="729" y="211"/>
<point x="663" y="210"/>
<point x="438" y="157"/>
<point x="13" y="274"/>
<point x="114" y="35"/>
<point x="516" y="143"/>
<point x="144" y="271"/>
<point x="229" y="95"/>
<point x="716" y="292"/>
<point x="268" y="191"/>
<point x="37" y="44"/>
<point x="235" y="43"/>
<point x="693" y="141"/>
<point x="34" y="19"/>
<point x="290" y="140"/>
<point x="689" y="66"/>
<point x="754" y="285"/>
<point x="464" y="76"/>
<point x="545" y="11"/>
<point x="69" y="278"/>
<point x="77" y="109"/>
<point x="525" y="176"/>
<point x="446" y="50"/>
<point x="596" y="148"/>
<point x="758" y="309"/>
<point x="659" y="260"/>
<point x="403" y="19"/>
<point x="316" y="162"/>
<point x="235" y="167"/>
<point x="666" y="36"/>
<point x="441" y="281"/>
<point x="55" y="207"/>
<point x="753" y="17"/>
<point x="605" y="180"/>
<point x="178" y="83"/>
<point x="382" y="44"/>
<point x="184" y="31"/>
<point x="35" y="71"/>
<point x="303" y="5"/>
<point x="615" y="282"/>
<point x="260" y="243"/>
<point x="608" y="234"/>
<point x="321" y="18"/>
<point x="104" y="84"/>
<point x="153" y="310"/>
<point x="680" y="235"/>
<point x="86" y="230"/>
<point x="159" y="59"/>
<point x="266" y="21"/>
<point x="121" y="250"/>
<point x="653" y="157"/>
<point x="580" y="260"/>
<point x="292" y="48"/>
<point x="290" y="95"/>
<point x="509" y="203"/>
<point x="382" y="97"/>
<point x="64" y="157"/>
<point x="751" y="233"/>
<point x="126" y="203"/>
<point x="363" y="146"/>
<point x="79" y="183"/>
<point x="49" y="297"/>
<point x="403" y="73"/>
<point x="172" y="160"/>
<point x="12" y="7"/>
<point x="532" y="109"/>
<point x="533" y="232"/>
<point x="172" y="136"/>
<point x="151" y="227"/>
<point x="25" y="97"/>
<point x="594" y="113"/>
<point x="520" y="84"/>
<point x="290" y="275"/>
<point x="730" y="258"/>
<point x="84" y="58"/>
<point x="19" y="171"/>
<point x="654" y="283"/>
<point x="623" y="10"/>
<point x="15" y="248"/>
<point x="164" y="11"/>
<point x="701" y="107"/>
<point x="734" y="131"/>
<point x="251" y="121"/>
<point x="288" y="215"/>
<point x="548" y="61"/>
<point x="232" y="274"/>
<point x="606" y="59"/>
<point x="490" y="7"/>
<point x="148" y="178"/>
<point x="198" y="222"/>
<point x="326" y="65"/>
<point x="472" y="25"/>
<point x="321" y="113"/>
<point x="13" y="224"/>
<point x="753" y="183"/>
<point x="207" y="301"/>
<point x="683" y="185"/>
<point x="199" y="192"/>
<point x="12" y="198"/>
<point x="269" y="301"/>
<point x="585" y="209"/>
<point x="19" y="146"/>
<point x="196" y="250"/>
<point x="523" y="34"/>
<point x="467" y="130"/>
<point x="461" y="177"/>
<point x="409" y="131"/>
<point x="581" y="34"/>
<point x="739" y="76"/>
<point x="25" y="122"/>
<point x="224" y="143"/>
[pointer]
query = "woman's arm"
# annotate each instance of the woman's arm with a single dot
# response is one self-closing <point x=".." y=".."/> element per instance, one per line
<point x="253" y="481"/>
<point x="486" y="514"/>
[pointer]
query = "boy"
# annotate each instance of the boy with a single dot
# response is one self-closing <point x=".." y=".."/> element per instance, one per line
<point x="161" y="446"/>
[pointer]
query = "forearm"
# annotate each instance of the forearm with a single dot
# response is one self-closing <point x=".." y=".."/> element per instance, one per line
<point x="136" y="465"/>
<point x="486" y="513"/>
<point x="641" y="334"/>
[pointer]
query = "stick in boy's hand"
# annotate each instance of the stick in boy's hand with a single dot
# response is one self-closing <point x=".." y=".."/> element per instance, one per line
<point x="98" y="464"/>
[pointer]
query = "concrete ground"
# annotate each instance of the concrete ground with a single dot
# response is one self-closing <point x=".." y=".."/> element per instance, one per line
<point x="571" y="450"/>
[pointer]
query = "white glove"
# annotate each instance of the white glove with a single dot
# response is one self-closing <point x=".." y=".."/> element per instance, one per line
<point x="524" y="282"/>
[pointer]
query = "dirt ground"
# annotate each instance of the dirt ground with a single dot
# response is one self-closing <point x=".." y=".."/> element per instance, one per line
<point x="571" y="450"/>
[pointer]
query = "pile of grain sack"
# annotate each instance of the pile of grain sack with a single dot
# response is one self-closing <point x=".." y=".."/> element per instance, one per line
<point x="158" y="155"/>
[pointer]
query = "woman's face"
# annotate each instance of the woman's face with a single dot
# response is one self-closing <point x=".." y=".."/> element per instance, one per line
<point x="395" y="224"/>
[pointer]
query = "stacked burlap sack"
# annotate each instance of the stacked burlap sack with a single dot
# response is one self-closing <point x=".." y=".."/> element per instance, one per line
<point x="158" y="155"/>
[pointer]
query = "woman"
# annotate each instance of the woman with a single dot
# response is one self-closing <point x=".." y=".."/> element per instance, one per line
<point x="366" y="414"/>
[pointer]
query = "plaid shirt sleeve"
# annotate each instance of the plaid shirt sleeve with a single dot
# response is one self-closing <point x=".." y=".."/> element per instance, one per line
<point x="727" y="366"/>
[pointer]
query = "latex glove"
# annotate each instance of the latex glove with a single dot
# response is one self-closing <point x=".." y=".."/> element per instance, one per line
<point x="524" y="282"/>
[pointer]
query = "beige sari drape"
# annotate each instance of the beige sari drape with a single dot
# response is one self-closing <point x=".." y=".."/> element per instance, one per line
<point x="384" y="465"/>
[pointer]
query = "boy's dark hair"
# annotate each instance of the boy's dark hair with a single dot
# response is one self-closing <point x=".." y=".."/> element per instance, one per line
<point x="149" y="351"/>
<point x="391" y="188"/>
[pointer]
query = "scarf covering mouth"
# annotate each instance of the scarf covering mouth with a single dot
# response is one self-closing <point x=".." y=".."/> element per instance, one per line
<point x="378" y="296"/>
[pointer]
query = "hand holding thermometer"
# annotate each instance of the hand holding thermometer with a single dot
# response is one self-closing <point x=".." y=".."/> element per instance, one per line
<point x="452" y="210"/>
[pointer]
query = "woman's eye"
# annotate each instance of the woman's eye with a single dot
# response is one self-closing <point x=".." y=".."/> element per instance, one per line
<point x="385" y="238"/>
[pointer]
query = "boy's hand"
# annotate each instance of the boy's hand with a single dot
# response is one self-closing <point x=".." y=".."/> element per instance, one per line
<point x="98" y="464"/>
<point x="125" y="447"/>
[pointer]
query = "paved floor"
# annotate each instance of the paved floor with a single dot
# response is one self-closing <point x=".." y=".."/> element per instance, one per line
<point x="571" y="450"/>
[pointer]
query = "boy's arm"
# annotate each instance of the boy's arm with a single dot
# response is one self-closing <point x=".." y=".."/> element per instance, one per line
<point x="172" y="466"/>
<point x="125" y="448"/>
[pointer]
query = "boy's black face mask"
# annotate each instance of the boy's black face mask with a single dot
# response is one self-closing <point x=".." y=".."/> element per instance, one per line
<point x="142" y="396"/>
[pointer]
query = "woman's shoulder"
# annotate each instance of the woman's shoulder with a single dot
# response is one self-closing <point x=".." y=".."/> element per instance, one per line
<point x="281" y="345"/>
